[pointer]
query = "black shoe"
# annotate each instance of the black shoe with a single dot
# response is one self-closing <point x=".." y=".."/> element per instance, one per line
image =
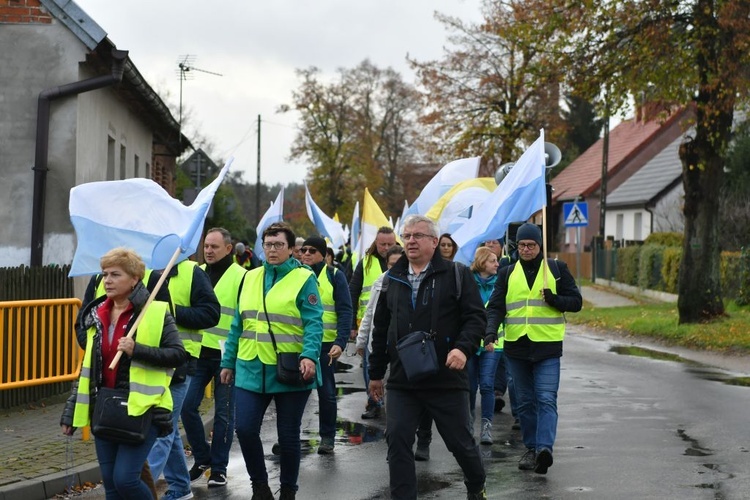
<point x="423" y="453"/>
<point x="197" y="471"/>
<point x="217" y="479"/>
<point x="371" y="412"/>
<point x="543" y="461"/>
<point x="276" y="449"/>
<point x="499" y="404"/>
<point x="479" y="495"/>
<point x="261" y="491"/>
<point x="528" y="460"/>
<point x="326" y="446"/>
<point x="287" y="493"/>
<point x="516" y="425"/>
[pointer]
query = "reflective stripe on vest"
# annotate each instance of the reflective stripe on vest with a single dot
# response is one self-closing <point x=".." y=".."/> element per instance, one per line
<point x="330" y="319"/>
<point x="180" y="288"/>
<point x="282" y="313"/>
<point x="370" y="272"/>
<point x="226" y="291"/>
<point x="149" y="386"/>
<point x="527" y="313"/>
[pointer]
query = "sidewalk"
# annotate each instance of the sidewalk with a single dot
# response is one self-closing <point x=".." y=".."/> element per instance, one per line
<point x="37" y="462"/>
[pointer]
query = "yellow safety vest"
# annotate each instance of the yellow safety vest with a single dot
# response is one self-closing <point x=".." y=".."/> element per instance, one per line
<point x="226" y="291"/>
<point x="370" y="272"/>
<point x="180" y="287"/>
<point x="528" y="313"/>
<point x="281" y="311"/>
<point x="149" y="385"/>
<point x="330" y="319"/>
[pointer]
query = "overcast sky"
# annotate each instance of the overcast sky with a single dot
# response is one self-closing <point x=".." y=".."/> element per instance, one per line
<point x="256" y="47"/>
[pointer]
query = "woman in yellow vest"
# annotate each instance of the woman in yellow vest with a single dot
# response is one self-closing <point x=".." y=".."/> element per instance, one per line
<point x="144" y="369"/>
<point x="531" y="297"/>
<point x="279" y="311"/>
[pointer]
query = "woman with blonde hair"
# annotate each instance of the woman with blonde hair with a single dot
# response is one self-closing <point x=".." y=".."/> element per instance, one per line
<point x="141" y="376"/>
<point x="482" y="367"/>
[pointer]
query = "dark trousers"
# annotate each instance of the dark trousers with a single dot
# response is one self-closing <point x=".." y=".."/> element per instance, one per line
<point x="450" y="411"/>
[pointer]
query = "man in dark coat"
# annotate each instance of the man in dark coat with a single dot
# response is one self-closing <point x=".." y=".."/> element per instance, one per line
<point x="424" y="292"/>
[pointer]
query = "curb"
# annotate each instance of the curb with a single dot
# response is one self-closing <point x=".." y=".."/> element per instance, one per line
<point x="50" y="485"/>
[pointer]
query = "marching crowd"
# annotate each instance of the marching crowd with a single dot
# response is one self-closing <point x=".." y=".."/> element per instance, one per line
<point x="431" y="332"/>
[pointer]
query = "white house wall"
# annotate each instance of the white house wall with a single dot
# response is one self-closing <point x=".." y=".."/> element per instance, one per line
<point x="668" y="214"/>
<point x="636" y="223"/>
<point x="35" y="58"/>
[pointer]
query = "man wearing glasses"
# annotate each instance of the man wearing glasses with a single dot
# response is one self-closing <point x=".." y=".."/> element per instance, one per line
<point x="530" y="296"/>
<point x="337" y="320"/>
<point x="226" y="278"/>
<point x="422" y="294"/>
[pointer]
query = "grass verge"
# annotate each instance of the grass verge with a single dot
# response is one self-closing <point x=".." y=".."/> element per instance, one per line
<point x="730" y="334"/>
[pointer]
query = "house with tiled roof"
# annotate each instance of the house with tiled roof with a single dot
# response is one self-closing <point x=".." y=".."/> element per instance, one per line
<point x="75" y="109"/>
<point x="632" y="145"/>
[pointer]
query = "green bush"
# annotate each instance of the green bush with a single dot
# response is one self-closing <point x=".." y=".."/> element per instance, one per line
<point x="729" y="269"/>
<point x="649" y="267"/>
<point x="743" y="294"/>
<point x="670" y="268"/>
<point x="665" y="239"/>
<point x="627" y="265"/>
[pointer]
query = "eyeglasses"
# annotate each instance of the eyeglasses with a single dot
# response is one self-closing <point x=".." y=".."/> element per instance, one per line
<point x="310" y="250"/>
<point x="276" y="245"/>
<point x="416" y="236"/>
<point x="527" y="246"/>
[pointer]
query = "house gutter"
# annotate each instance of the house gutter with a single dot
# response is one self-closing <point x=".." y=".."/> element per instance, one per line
<point x="41" y="156"/>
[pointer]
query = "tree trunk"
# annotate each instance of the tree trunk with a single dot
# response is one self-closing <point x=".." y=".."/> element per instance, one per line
<point x="699" y="278"/>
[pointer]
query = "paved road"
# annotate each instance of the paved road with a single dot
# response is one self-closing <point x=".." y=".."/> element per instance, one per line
<point x="635" y="422"/>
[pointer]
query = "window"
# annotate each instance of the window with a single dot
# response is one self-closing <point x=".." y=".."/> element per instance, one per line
<point x="619" y="227"/>
<point x="637" y="227"/>
<point x="136" y="165"/>
<point x="123" y="162"/>
<point x="110" y="159"/>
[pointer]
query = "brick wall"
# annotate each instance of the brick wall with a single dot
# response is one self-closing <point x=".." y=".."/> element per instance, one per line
<point x="23" y="12"/>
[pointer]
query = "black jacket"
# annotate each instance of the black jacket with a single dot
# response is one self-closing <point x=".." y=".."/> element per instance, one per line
<point x="460" y="324"/>
<point x="568" y="299"/>
<point x="170" y="353"/>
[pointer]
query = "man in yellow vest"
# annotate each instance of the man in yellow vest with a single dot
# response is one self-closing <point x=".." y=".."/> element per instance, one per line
<point x="531" y="296"/>
<point x="367" y="271"/>
<point x="337" y="319"/>
<point x="226" y="278"/>
<point x="196" y="308"/>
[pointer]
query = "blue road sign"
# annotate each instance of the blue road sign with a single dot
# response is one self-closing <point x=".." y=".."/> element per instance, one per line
<point x="576" y="214"/>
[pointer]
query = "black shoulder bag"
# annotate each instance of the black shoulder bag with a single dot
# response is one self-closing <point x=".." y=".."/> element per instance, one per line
<point x="416" y="350"/>
<point x="287" y="363"/>
<point x="110" y="419"/>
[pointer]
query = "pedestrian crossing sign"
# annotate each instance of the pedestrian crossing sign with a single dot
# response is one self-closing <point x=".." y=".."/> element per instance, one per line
<point x="576" y="214"/>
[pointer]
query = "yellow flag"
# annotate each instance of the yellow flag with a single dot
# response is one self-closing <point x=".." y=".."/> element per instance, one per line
<point x="373" y="218"/>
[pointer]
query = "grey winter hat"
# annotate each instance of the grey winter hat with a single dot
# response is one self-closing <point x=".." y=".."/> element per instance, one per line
<point x="529" y="232"/>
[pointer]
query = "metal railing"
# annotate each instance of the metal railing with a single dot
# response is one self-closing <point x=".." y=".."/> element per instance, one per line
<point x="38" y="342"/>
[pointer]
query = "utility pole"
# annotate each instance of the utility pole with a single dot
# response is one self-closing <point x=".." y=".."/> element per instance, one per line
<point x="257" y="181"/>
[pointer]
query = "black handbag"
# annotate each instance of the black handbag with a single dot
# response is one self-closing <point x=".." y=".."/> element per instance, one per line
<point x="417" y="354"/>
<point x="287" y="363"/>
<point x="110" y="420"/>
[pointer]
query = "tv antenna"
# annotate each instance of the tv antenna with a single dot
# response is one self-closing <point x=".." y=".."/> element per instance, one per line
<point x="186" y="70"/>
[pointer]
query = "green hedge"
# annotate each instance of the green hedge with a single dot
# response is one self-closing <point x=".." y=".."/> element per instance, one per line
<point x="655" y="266"/>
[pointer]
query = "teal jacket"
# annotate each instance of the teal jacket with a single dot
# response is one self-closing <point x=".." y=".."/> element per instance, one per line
<point x="255" y="376"/>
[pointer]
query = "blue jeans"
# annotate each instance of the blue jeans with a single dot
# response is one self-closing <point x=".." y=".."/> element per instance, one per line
<point x="168" y="453"/>
<point x="536" y="384"/>
<point x="216" y="456"/>
<point x="327" y="394"/>
<point x="121" y="465"/>
<point x="251" y="406"/>
<point x="481" y="370"/>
